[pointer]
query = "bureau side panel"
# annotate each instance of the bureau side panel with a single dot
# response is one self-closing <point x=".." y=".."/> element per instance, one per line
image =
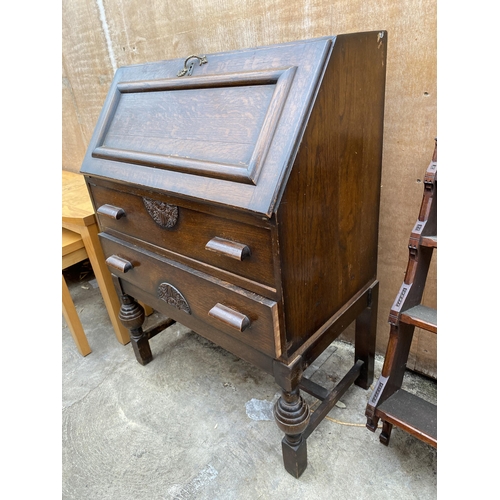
<point x="328" y="214"/>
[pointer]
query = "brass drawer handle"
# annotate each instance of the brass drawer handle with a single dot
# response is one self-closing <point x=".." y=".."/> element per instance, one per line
<point x="189" y="69"/>
<point x="228" y="248"/>
<point x="119" y="264"/>
<point x="111" y="211"/>
<point x="230" y="317"/>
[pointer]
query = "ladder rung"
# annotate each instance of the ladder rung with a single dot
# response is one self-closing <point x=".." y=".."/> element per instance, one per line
<point x="421" y="316"/>
<point x="429" y="241"/>
<point x="412" y="414"/>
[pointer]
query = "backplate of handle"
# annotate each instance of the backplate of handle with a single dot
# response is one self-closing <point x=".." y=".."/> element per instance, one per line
<point x="119" y="264"/>
<point x="111" y="211"/>
<point x="230" y="317"/>
<point x="228" y="248"/>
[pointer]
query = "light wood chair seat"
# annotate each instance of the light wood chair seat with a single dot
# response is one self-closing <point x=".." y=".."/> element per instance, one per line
<point x="73" y="251"/>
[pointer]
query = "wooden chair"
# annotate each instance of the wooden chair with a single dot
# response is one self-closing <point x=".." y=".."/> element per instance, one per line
<point x="78" y="217"/>
<point x="73" y="251"/>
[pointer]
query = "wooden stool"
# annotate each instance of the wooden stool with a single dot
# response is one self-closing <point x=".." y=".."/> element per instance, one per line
<point x="73" y="251"/>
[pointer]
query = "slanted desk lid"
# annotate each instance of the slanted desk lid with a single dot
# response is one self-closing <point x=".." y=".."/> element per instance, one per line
<point x="227" y="132"/>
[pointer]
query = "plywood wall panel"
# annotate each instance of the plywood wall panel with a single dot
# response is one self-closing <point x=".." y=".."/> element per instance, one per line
<point x="88" y="74"/>
<point x="72" y="139"/>
<point x="100" y="35"/>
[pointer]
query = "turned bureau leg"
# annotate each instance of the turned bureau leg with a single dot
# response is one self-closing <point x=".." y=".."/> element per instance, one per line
<point x="132" y="316"/>
<point x="292" y="416"/>
<point x="365" y="338"/>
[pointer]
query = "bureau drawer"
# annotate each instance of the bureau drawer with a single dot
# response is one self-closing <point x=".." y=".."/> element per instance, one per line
<point x="190" y="296"/>
<point x="240" y="248"/>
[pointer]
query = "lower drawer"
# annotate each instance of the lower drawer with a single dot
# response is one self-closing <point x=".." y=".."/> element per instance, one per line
<point x="191" y="296"/>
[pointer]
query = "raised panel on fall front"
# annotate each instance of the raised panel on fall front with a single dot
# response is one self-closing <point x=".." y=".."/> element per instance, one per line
<point x="214" y="126"/>
<point x="225" y="133"/>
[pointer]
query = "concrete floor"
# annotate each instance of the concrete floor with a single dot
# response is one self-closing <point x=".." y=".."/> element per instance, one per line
<point x="196" y="423"/>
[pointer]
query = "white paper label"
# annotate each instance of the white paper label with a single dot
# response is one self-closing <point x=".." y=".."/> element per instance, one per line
<point x="379" y="387"/>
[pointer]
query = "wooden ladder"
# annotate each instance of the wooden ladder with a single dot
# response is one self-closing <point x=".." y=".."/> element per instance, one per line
<point x="389" y="402"/>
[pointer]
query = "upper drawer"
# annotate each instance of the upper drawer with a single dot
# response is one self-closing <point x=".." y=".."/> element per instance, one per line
<point x="226" y="132"/>
<point x="233" y="246"/>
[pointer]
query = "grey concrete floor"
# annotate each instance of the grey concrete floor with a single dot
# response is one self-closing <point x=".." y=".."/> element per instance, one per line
<point x="196" y="423"/>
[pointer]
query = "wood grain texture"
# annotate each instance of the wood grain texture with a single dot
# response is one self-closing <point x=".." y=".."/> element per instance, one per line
<point x="297" y="67"/>
<point x="87" y="76"/>
<point x="73" y="321"/>
<point x="76" y="203"/>
<point x="328" y="216"/>
<point x="191" y="234"/>
<point x="201" y="291"/>
<point x="78" y="216"/>
<point x="201" y="123"/>
<point x="158" y="30"/>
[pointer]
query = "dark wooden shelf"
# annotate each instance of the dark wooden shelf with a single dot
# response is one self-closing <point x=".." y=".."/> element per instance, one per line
<point x="412" y="414"/>
<point x="429" y="241"/>
<point x="422" y="317"/>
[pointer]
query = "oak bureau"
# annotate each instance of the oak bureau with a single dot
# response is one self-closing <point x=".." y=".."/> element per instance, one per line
<point x="238" y="194"/>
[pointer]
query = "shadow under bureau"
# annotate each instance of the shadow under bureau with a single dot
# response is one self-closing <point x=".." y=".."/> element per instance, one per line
<point x="238" y="194"/>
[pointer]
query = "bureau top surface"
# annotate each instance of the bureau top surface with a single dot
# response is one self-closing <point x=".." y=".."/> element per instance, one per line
<point x="226" y="132"/>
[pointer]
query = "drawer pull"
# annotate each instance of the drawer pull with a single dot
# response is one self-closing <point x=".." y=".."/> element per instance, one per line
<point x="230" y="317"/>
<point x="228" y="248"/>
<point x="111" y="211"/>
<point x="119" y="264"/>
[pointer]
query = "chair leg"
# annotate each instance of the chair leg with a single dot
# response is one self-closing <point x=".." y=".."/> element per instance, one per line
<point x="90" y="238"/>
<point x="148" y="310"/>
<point x="74" y="323"/>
